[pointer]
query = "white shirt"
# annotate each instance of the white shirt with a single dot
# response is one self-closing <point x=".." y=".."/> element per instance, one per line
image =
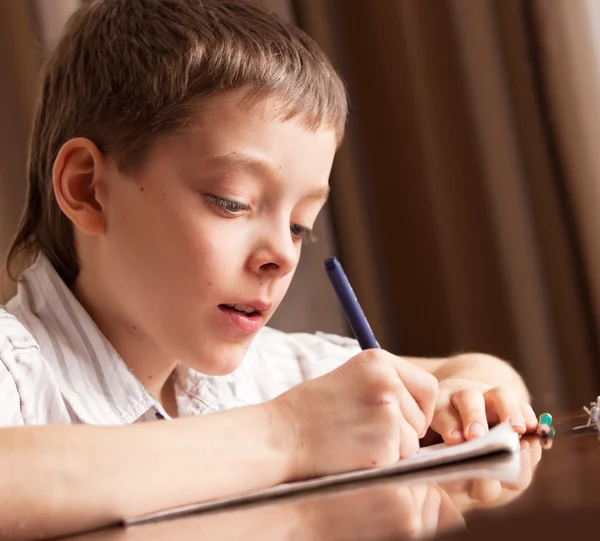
<point x="57" y="367"/>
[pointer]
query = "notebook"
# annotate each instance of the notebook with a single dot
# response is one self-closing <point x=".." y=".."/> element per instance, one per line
<point x="500" y="439"/>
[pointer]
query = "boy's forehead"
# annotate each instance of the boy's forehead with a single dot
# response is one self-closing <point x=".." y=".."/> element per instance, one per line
<point x="227" y="133"/>
<point x="243" y="108"/>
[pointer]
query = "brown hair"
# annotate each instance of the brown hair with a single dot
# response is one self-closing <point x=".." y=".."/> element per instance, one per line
<point x="127" y="72"/>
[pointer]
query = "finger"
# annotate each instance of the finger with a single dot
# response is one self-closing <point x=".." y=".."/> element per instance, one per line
<point x="470" y="405"/>
<point x="450" y="516"/>
<point x="418" y="494"/>
<point x="415" y="527"/>
<point x="447" y="423"/>
<point x="485" y="490"/>
<point x="526" y="470"/>
<point x="403" y="521"/>
<point x="420" y="384"/>
<point x="531" y="421"/>
<point x="526" y="466"/>
<point x="546" y="443"/>
<point x="410" y="409"/>
<point x="535" y="447"/>
<point x="505" y="405"/>
<point x="409" y="440"/>
<point x="430" y="510"/>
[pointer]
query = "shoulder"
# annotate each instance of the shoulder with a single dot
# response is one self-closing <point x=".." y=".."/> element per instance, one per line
<point x="20" y="353"/>
<point x="20" y="362"/>
<point x="14" y="336"/>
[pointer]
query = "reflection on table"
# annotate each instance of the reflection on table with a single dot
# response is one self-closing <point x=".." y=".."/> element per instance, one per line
<point x="414" y="506"/>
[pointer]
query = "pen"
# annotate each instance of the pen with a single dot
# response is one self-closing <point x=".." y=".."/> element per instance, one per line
<point x="354" y="314"/>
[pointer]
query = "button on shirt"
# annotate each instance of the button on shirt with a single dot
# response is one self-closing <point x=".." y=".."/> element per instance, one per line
<point x="57" y="367"/>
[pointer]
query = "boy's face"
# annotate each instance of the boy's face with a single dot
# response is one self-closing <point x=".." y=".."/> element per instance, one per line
<point x="214" y="219"/>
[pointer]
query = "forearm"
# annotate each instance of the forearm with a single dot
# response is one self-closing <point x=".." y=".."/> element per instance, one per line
<point x="485" y="369"/>
<point x="69" y="478"/>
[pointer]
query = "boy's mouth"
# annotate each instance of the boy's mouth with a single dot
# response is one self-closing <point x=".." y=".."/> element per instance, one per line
<point x="253" y="308"/>
<point x="244" y="309"/>
<point x="247" y="317"/>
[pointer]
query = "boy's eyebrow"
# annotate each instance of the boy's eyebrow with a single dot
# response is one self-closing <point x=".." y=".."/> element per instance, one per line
<point x="244" y="162"/>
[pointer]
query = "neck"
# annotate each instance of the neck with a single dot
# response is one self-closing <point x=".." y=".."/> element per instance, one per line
<point x="151" y="365"/>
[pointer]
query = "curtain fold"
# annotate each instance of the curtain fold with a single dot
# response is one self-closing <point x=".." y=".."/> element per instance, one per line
<point x="470" y="171"/>
<point x="19" y="66"/>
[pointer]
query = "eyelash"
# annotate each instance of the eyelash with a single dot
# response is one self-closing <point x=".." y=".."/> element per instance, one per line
<point x="301" y="232"/>
<point x="305" y="234"/>
<point x="232" y="207"/>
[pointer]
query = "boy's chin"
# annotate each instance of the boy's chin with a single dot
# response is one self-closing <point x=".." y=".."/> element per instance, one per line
<point x="221" y="360"/>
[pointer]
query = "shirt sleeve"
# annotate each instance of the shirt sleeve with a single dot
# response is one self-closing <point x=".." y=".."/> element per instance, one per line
<point x="292" y="358"/>
<point x="10" y="400"/>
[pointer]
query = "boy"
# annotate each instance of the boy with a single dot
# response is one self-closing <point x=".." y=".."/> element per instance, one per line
<point x="179" y="157"/>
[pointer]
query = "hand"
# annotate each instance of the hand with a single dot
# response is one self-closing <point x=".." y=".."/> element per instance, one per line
<point x="474" y="492"/>
<point x="465" y="409"/>
<point x="369" y="412"/>
<point x="381" y="511"/>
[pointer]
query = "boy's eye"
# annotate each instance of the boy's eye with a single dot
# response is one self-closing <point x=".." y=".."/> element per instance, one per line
<point x="231" y="207"/>
<point x="303" y="233"/>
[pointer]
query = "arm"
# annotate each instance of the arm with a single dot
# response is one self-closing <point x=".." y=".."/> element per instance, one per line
<point x="64" y="479"/>
<point x="478" y="367"/>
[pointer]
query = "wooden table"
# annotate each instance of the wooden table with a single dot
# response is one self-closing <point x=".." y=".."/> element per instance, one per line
<point x="557" y="496"/>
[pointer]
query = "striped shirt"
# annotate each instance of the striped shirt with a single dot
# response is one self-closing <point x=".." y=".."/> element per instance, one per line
<point x="57" y="367"/>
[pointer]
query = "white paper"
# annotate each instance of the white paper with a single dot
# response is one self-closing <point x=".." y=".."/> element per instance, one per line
<point x="501" y="438"/>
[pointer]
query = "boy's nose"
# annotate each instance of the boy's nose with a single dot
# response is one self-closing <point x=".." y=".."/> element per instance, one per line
<point x="276" y="255"/>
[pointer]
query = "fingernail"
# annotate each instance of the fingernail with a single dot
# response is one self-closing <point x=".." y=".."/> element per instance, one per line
<point x="457" y="433"/>
<point x="531" y="423"/>
<point x="518" y="423"/>
<point x="476" y="429"/>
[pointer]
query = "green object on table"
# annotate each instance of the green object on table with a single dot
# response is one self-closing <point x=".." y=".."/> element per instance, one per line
<point x="551" y="435"/>
<point x="545" y="419"/>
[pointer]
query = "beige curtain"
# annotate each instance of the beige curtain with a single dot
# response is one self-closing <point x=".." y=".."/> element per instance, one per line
<point x="18" y="65"/>
<point x="28" y="29"/>
<point x="465" y="196"/>
<point x="467" y="188"/>
<point x="569" y="46"/>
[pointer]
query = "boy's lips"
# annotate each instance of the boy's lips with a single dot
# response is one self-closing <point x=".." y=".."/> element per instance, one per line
<point x="254" y="306"/>
<point x="247" y="317"/>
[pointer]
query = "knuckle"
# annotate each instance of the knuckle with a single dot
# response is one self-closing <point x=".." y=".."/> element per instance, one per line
<point x="439" y="413"/>
<point x="466" y="395"/>
<point x="383" y="380"/>
<point x="500" y="393"/>
<point x="371" y="356"/>
<point x="390" y="414"/>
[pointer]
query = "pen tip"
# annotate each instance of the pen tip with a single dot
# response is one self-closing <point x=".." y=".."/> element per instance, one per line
<point x="330" y="262"/>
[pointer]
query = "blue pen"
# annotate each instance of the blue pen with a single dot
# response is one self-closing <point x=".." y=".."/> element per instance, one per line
<point x="354" y="314"/>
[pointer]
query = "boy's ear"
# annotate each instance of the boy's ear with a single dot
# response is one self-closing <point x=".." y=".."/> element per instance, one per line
<point x="77" y="178"/>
